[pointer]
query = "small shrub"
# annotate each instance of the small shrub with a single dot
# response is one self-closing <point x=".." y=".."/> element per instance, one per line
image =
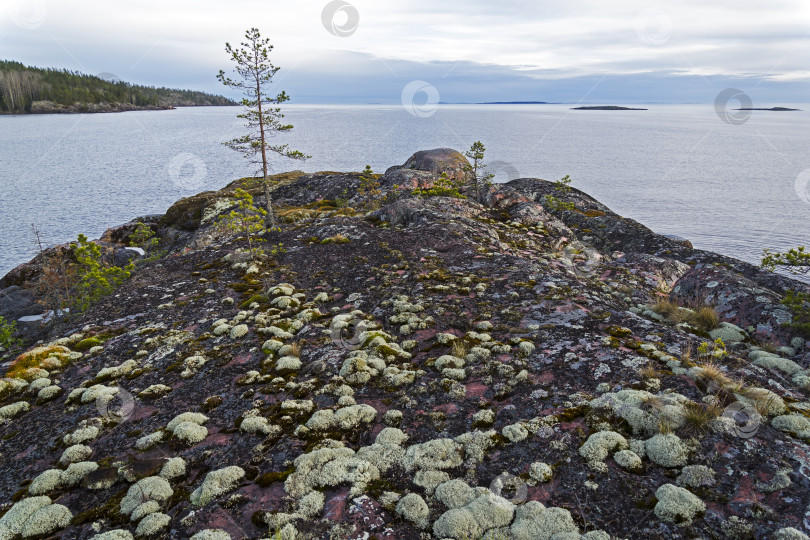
<point x="798" y="304"/>
<point x="443" y="187"/>
<point x="480" y="179"/>
<point x="8" y="339"/>
<point x="96" y="278"/>
<point x="246" y="219"/>
<point x="144" y="238"/>
<point x="562" y="187"/>
<point x="369" y="190"/>
<point x="337" y="239"/>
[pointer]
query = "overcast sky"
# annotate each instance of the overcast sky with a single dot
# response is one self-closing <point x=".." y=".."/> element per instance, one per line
<point x="368" y="51"/>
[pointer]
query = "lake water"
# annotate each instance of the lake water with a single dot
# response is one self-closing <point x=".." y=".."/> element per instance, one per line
<point x="679" y="169"/>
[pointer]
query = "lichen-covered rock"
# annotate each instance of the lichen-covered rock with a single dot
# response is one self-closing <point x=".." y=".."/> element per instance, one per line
<point x="115" y="534"/>
<point x="461" y="340"/>
<point x="81" y="435"/>
<point x="533" y="521"/>
<point x="76" y="472"/>
<point x="413" y="508"/>
<point x="435" y="454"/>
<point x="46" y="482"/>
<point x="46" y="520"/>
<point x="153" y="488"/>
<point x="216" y="483"/>
<point x="677" y="505"/>
<point x="15" y="409"/>
<point x="329" y="467"/>
<point x="627" y="459"/>
<point x="666" y="450"/>
<point x="598" y="447"/>
<point x="75" y="453"/>
<point x="696" y="476"/>
<point x="515" y="432"/>
<point x="455" y="493"/>
<point x="173" y="468"/>
<point x="789" y="533"/>
<point x="793" y="423"/>
<point x="212" y="534"/>
<point x="541" y="472"/>
<point x="152" y="524"/>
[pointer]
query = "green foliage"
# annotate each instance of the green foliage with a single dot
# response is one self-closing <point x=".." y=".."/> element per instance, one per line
<point x="481" y="180"/>
<point x="343" y="199"/>
<point x="96" y="278"/>
<point x="564" y="189"/>
<point x="144" y="238"/>
<point x="369" y="190"/>
<point x="795" y="260"/>
<point x="246" y="219"/>
<point x="20" y="86"/>
<point x="715" y="350"/>
<point x="443" y="187"/>
<point x="798" y="304"/>
<point x="277" y="249"/>
<point x="8" y="340"/>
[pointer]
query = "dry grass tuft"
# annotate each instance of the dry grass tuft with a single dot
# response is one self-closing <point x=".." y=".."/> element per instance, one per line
<point x="295" y="350"/>
<point x="649" y="372"/>
<point x="459" y="349"/>
<point x="698" y="416"/>
<point x="705" y="318"/>
<point x="666" y="307"/>
<point x="712" y="372"/>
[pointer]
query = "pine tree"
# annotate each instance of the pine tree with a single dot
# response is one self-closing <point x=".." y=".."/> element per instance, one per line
<point x="262" y="113"/>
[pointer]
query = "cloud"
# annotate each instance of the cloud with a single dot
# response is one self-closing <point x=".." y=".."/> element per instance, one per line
<point x="471" y="50"/>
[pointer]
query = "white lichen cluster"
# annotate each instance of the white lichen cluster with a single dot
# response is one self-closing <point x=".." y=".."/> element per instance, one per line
<point x="217" y="483"/>
<point x="599" y="446"/>
<point x="677" y="505"/>
<point x="645" y="412"/>
<point x="34" y="517"/>
<point x="188" y="427"/>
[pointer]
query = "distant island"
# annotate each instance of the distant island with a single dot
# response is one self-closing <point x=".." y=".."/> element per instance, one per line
<point x="32" y="90"/>
<point x="606" y="108"/>
<point x="780" y="109"/>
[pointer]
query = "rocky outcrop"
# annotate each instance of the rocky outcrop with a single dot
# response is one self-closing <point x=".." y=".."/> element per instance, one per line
<point x="411" y="367"/>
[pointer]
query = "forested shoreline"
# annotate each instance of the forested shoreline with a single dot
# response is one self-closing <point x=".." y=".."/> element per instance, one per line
<point x="26" y="89"/>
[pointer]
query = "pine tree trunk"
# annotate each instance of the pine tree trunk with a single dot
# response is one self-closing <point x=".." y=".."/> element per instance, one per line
<point x="270" y="219"/>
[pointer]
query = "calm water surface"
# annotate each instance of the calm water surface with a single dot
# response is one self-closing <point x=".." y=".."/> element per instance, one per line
<point x="733" y="189"/>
